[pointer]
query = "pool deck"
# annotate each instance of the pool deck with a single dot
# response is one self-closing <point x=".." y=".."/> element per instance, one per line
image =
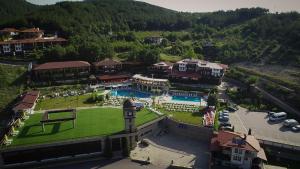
<point x="168" y="99"/>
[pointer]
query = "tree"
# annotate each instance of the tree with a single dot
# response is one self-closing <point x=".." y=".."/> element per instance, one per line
<point x="212" y="100"/>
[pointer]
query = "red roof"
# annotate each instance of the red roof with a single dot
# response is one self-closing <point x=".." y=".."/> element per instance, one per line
<point x="27" y="101"/>
<point x="32" y="40"/>
<point x="61" y="65"/>
<point x="185" y="74"/>
<point x="31" y="30"/>
<point x="111" y="77"/>
<point x="223" y="66"/>
<point x="9" y="30"/>
<point x="225" y="139"/>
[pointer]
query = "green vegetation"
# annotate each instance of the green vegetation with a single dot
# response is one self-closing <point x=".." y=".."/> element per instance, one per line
<point x="12" y="83"/>
<point x="102" y="28"/>
<point x="185" y="117"/>
<point x="65" y="102"/>
<point x="89" y="123"/>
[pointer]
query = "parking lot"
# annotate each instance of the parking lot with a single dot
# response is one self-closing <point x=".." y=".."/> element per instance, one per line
<point x="243" y="119"/>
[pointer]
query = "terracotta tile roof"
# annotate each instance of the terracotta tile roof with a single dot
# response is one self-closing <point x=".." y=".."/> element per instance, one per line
<point x="225" y="139"/>
<point x="27" y="101"/>
<point x="111" y="77"/>
<point x="9" y="30"/>
<point x="31" y="30"/>
<point x="107" y="62"/>
<point x="61" y="65"/>
<point x="32" y="40"/>
<point x="223" y="66"/>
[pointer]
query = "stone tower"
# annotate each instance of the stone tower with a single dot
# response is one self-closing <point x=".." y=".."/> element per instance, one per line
<point x="129" y="111"/>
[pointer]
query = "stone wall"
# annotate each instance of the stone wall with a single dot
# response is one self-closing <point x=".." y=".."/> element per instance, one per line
<point x="187" y="130"/>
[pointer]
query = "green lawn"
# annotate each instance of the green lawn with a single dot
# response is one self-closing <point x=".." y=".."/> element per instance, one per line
<point x="64" y="102"/>
<point x="186" y="117"/>
<point x="169" y="58"/>
<point x="89" y="123"/>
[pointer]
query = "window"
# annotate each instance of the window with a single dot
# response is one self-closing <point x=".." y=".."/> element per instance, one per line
<point x="237" y="158"/>
<point x="18" y="47"/>
<point x="236" y="150"/>
<point x="6" y="48"/>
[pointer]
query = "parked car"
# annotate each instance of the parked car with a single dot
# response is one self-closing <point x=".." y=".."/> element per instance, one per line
<point x="224" y="114"/>
<point x="290" y="123"/>
<point x="296" y="128"/>
<point x="225" y="124"/>
<point x="232" y="109"/>
<point x="278" y="116"/>
<point x="224" y="118"/>
<point x="228" y="128"/>
<point x="270" y="113"/>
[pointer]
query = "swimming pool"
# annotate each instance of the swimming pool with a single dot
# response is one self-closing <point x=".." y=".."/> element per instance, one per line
<point x="130" y="93"/>
<point x="186" y="98"/>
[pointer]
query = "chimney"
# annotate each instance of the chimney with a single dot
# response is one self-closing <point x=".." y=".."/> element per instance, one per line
<point x="245" y="136"/>
<point x="249" y="131"/>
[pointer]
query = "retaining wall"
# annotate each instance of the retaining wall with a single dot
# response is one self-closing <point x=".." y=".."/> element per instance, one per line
<point x="187" y="130"/>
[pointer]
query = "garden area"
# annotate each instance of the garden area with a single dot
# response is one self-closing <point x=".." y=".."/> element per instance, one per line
<point x="195" y="118"/>
<point x="89" y="123"/>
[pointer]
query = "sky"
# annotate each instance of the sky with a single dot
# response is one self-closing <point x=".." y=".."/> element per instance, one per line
<point x="212" y="5"/>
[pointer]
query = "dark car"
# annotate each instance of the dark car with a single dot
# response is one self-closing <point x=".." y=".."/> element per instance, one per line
<point x="224" y="118"/>
<point x="232" y="109"/>
<point x="225" y="124"/>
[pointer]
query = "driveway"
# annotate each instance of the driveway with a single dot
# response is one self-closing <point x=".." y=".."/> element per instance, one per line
<point x="262" y="128"/>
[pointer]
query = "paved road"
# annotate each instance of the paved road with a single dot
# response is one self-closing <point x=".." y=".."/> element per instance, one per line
<point x="262" y="128"/>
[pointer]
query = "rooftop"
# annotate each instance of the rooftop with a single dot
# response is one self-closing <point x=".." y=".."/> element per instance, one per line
<point x="107" y="62"/>
<point x="138" y="76"/>
<point x="234" y="139"/>
<point x="61" y="65"/>
<point x="33" y="40"/>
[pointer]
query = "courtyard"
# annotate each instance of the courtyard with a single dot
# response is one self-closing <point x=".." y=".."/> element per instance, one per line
<point x="171" y="148"/>
<point x="89" y="123"/>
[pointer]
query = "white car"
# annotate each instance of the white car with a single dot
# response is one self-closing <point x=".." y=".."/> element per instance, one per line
<point x="290" y="123"/>
<point x="278" y="116"/>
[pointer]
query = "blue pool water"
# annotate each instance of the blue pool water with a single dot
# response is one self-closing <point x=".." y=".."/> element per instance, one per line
<point x="130" y="93"/>
<point x="186" y="98"/>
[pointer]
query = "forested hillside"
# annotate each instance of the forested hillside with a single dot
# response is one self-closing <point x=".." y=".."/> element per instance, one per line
<point x="114" y="28"/>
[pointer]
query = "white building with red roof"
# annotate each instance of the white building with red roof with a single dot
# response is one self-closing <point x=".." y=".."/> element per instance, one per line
<point x="234" y="149"/>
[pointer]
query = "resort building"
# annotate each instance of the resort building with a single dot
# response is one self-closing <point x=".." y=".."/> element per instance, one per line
<point x="61" y="71"/>
<point x="161" y="69"/>
<point x="24" y="41"/>
<point x="27" y="102"/>
<point x="107" y="66"/>
<point x="143" y="83"/>
<point x="237" y="150"/>
<point x="154" y="40"/>
<point x="194" y="70"/>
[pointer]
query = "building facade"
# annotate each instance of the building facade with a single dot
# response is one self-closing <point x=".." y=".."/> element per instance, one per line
<point x="236" y="150"/>
<point x="61" y="71"/>
<point x="195" y="71"/>
<point x="16" y="42"/>
<point x="147" y="84"/>
<point x="161" y="69"/>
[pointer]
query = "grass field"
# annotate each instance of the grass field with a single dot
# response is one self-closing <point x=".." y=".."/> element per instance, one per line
<point x="64" y="102"/>
<point x="186" y="117"/>
<point x="89" y="123"/>
<point x="169" y="58"/>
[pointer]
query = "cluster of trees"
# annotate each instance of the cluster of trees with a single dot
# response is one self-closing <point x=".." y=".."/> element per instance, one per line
<point x="100" y="28"/>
